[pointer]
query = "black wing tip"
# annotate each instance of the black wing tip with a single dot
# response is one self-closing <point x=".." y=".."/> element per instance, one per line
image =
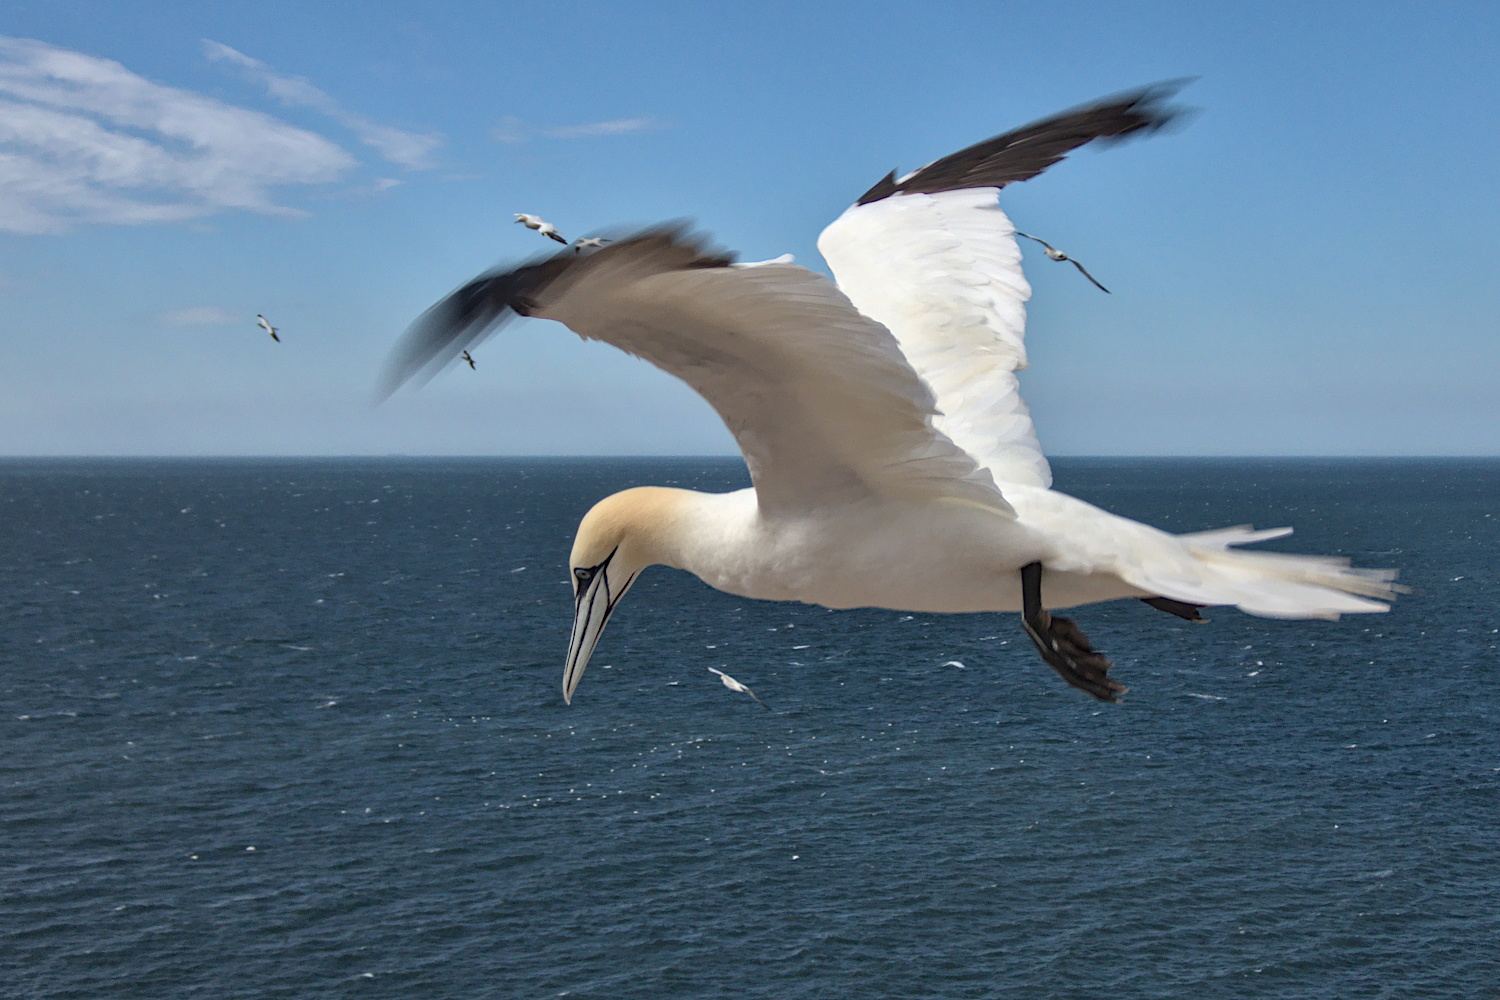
<point x="464" y="318"/>
<point x="884" y="188"/>
<point x="469" y="314"/>
<point x="1148" y="105"/>
<point x="1024" y="152"/>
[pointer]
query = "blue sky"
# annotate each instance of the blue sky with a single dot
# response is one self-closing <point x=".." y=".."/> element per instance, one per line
<point x="1310" y="267"/>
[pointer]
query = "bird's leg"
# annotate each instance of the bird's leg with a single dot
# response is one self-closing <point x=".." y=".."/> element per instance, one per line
<point x="1062" y="644"/>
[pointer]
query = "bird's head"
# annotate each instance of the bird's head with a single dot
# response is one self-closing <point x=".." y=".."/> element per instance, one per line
<point x="619" y="537"/>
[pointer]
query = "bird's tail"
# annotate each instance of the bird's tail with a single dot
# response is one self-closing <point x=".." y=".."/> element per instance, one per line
<point x="1277" y="584"/>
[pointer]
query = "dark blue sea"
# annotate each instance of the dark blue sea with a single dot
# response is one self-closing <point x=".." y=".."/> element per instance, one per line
<point x="294" y="729"/>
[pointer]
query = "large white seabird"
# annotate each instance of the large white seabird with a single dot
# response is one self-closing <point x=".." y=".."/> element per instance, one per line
<point x="894" y="462"/>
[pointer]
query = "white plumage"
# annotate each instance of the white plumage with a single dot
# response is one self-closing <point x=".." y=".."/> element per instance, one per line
<point x="736" y="686"/>
<point x="942" y="272"/>
<point x="894" y="461"/>
<point x="820" y="398"/>
<point x="541" y="225"/>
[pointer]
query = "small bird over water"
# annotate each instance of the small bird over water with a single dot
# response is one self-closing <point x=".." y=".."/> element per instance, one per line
<point x="265" y="325"/>
<point x="541" y="225"/>
<point x="736" y="686"/>
<point x="1056" y="254"/>
<point x="467" y="358"/>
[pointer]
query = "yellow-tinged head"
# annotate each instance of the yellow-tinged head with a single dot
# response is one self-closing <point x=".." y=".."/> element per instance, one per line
<point x="619" y="537"/>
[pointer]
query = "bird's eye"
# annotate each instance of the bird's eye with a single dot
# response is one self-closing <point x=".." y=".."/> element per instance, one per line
<point x="583" y="574"/>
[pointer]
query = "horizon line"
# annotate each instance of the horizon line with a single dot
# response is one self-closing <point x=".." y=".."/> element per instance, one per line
<point x="659" y="457"/>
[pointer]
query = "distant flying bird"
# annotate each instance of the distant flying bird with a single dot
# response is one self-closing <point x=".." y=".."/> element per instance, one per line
<point x="466" y="357"/>
<point x="893" y="461"/>
<point x="1057" y="254"/>
<point x="541" y="225"/>
<point x="735" y="685"/>
<point x="265" y="325"/>
<point x="590" y="241"/>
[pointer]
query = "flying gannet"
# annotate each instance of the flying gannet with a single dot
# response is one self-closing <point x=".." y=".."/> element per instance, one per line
<point x="541" y="225"/>
<point x="265" y="325"/>
<point x="594" y="242"/>
<point x="1055" y="254"/>
<point x="894" y="462"/>
<point x="737" y="687"/>
<point x="466" y="357"/>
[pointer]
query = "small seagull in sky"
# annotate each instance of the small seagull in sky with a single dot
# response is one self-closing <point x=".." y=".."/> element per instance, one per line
<point x="589" y="241"/>
<point x="735" y="685"/>
<point x="1057" y="254"/>
<point x="265" y="325"/>
<point x="465" y="356"/>
<point x="541" y="225"/>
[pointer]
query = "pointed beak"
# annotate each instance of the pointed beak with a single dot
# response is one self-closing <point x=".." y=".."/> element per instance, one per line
<point x="595" y="602"/>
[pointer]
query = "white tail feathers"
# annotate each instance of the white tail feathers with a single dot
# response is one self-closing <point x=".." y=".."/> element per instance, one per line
<point x="1240" y="534"/>
<point x="1281" y="585"/>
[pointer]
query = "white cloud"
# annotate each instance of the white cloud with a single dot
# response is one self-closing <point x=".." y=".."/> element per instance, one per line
<point x="408" y="149"/>
<point x="370" y="189"/>
<point x="517" y="130"/>
<point x="199" y="316"/>
<point x="83" y="139"/>
<point x="615" y="126"/>
<point x="513" y="130"/>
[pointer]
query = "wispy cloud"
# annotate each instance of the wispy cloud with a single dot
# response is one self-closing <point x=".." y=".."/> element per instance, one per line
<point x="198" y="316"/>
<point x="83" y="139"/>
<point x="615" y="126"/>
<point x="407" y="149"/>
<point x="513" y="130"/>
<point x="518" y="130"/>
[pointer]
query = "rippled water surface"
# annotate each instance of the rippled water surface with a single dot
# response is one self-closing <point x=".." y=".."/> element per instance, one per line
<point x="287" y="729"/>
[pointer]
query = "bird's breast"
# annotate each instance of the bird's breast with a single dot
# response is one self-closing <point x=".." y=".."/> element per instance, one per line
<point x="937" y="556"/>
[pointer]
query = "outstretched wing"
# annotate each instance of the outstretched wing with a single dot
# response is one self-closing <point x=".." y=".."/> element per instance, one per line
<point x="933" y="258"/>
<point x="943" y="273"/>
<point x="819" y="398"/>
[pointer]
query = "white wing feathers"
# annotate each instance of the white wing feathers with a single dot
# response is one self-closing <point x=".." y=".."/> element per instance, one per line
<point x="932" y="257"/>
<point x="903" y="382"/>
<point x="942" y="272"/>
<point x="819" y="398"/>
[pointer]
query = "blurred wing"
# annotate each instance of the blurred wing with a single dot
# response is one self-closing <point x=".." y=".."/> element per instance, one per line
<point x="933" y="258"/>
<point x="1021" y="154"/>
<point x="819" y="398"/>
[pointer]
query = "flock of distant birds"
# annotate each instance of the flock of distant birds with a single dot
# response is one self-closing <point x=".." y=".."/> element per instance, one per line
<point x="547" y="229"/>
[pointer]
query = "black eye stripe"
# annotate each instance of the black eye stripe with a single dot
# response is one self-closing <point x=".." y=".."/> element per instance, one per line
<point x="586" y="573"/>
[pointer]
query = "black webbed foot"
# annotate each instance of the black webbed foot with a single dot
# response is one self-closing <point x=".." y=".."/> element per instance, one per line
<point x="1062" y="644"/>
<point x="1182" y="609"/>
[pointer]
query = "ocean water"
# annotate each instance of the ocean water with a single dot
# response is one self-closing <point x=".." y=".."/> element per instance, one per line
<point x="289" y="729"/>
